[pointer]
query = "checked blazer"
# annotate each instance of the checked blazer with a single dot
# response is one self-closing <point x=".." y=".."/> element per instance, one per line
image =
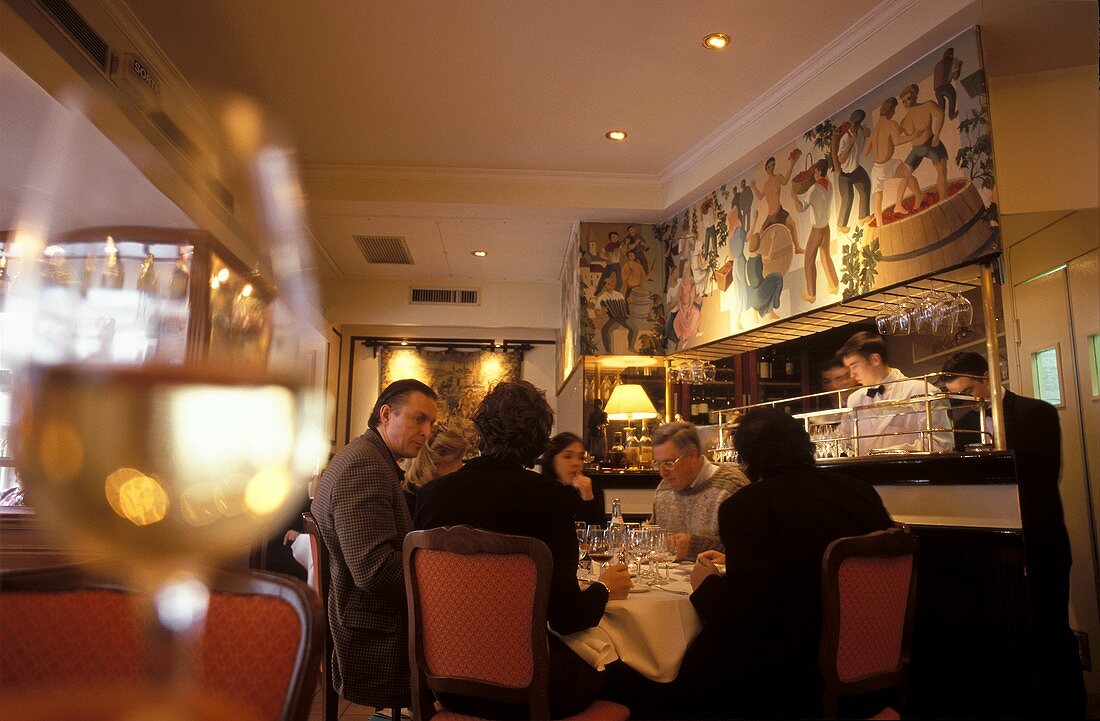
<point x="363" y="519"/>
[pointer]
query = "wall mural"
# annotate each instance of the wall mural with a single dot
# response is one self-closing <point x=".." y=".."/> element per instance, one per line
<point x="621" y="274"/>
<point x="461" y="378"/>
<point x="569" y="342"/>
<point x="897" y="185"/>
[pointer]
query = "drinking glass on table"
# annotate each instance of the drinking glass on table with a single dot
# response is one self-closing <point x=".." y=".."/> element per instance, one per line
<point x="663" y="551"/>
<point x="599" y="548"/>
<point x="582" y="541"/>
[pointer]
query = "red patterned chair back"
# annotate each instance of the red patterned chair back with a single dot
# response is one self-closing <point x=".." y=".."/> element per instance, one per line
<point x="867" y="590"/>
<point x="477" y="617"/>
<point x="70" y="625"/>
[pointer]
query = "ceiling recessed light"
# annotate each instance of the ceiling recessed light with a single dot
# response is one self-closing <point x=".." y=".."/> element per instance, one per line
<point x="479" y="254"/>
<point x="615" y="135"/>
<point x="716" y="41"/>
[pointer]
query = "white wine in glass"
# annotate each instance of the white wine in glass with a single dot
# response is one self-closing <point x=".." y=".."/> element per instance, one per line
<point x="162" y="460"/>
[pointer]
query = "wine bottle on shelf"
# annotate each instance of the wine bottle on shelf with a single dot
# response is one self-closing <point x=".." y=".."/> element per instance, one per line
<point x="765" y="366"/>
<point x="645" y="448"/>
<point x="704" y="410"/>
<point x="788" y="366"/>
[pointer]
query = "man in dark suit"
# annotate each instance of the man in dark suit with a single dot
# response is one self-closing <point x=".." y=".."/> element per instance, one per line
<point x="498" y="493"/>
<point x="1032" y="431"/>
<point x="363" y="518"/>
<point x="757" y="653"/>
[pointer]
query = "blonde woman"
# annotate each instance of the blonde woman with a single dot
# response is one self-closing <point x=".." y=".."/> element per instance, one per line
<point x="442" y="454"/>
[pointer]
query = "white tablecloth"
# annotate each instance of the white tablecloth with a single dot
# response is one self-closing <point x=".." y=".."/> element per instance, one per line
<point x="649" y="631"/>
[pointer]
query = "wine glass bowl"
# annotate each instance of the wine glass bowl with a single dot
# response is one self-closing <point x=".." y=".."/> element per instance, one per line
<point x="163" y="406"/>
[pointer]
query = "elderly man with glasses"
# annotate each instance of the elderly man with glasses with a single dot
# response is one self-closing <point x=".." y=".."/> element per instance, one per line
<point x="691" y="489"/>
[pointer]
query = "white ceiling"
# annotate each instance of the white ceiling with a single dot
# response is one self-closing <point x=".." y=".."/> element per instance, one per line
<point x="478" y="124"/>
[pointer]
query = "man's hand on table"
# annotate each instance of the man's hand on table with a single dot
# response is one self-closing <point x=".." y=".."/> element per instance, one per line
<point x="617" y="580"/>
<point x="683" y="545"/>
<point x="715" y="557"/>
<point x="704" y="567"/>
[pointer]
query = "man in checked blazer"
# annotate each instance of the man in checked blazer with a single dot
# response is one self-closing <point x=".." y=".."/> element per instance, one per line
<point x="363" y="519"/>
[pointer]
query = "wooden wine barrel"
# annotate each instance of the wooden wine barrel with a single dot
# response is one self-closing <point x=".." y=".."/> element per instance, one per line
<point x="940" y="236"/>
<point x="776" y="249"/>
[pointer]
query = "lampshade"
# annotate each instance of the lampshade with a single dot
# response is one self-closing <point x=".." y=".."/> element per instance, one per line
<point x="629" y="401"/>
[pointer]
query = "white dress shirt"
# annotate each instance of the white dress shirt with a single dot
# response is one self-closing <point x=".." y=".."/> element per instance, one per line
<point x="887" y="426"/>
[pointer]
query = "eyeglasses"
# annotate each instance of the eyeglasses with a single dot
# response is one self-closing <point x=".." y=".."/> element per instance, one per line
<point x="666" y="465"/>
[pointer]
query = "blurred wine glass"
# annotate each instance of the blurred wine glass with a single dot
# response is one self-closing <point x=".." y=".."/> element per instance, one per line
<point x="139" y="438"/>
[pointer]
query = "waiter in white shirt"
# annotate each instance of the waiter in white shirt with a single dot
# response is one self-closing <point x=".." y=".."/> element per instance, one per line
<point x="892" y="426"/>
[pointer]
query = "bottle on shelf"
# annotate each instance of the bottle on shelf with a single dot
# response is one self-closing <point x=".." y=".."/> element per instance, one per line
<point x="645" y="448"/>
<point x="631" y="451"/>
<point x="764" y="371"/>
<point x="788" y="366"/>
<point x="615" y="455"/>
<point x="704" y="411"/>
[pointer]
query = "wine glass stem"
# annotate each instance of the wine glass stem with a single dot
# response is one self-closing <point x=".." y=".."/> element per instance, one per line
<point x="173" y="615"/>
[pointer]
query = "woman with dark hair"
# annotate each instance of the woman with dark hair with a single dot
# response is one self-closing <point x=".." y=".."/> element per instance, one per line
<point x="496" y="492"/>
<point x="564" y="462"/>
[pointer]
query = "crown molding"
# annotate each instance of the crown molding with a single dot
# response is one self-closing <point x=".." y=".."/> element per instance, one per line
<point x="550" y="177"/>
<point x="879" y="17"/>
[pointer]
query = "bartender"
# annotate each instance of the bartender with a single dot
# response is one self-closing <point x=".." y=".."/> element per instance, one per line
<point x="891" y="427"/>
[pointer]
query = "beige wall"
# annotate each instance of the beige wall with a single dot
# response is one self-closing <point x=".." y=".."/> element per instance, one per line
<point x="504" y="304"/>
<point x="1045" y="140"/>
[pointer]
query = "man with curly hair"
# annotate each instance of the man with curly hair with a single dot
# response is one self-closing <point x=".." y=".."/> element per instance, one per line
<point x="498" y="492"/>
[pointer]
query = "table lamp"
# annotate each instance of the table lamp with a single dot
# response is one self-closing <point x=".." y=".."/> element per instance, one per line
<point x="628" y="402"/>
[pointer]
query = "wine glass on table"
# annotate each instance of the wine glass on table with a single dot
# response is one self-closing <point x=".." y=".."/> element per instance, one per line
<point x="599" y="547"/>
<point x="160" y="423"/>
<point x="581" y="529"/>
<point x="663" y="551"/>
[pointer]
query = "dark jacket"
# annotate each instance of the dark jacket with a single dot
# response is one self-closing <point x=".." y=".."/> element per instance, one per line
<point x="504" y="497"/>
<point x="757" y="652"/>
<point x="362" y="516"/>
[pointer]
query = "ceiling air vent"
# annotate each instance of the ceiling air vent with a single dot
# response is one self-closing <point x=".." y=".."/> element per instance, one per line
<point x="384" y="249"/>
<point x="444" y="296"/>
<point x="79" y="31"/>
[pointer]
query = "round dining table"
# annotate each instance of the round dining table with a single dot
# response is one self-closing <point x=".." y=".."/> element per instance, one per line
<point x="649" y="630"/>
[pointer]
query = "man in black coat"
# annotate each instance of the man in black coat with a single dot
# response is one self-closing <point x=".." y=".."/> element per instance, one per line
<point x="498" y="493"/>
<point x="1032" y="431"/>
<point x="757" y="653"/>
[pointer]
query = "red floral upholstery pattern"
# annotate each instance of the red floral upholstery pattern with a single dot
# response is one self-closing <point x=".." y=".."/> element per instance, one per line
<point x="58" y="638"/>
<point x="477" y="615"/>
<point x="598" y="711"/>
<point x="248" y="651"/>
<point x="92" y="636"/>
<point x="873" y="596"/>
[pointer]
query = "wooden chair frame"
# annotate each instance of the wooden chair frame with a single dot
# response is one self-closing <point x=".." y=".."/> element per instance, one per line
<point x="330" y="700"/>
<point x="299" y="697"/>
<point x="880" y="544"/>
<point x="466" y="540"/>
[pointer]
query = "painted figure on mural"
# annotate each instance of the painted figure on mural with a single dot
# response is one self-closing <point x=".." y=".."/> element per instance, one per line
<point x="634" y="241"/>
<point x="701" y="274"/>
<point x="947" y="71"/>
<point x="819" y="202"/>
<point x="846" y="150"/>
<point x="634" y="273"/>
<point x="765" y="292"/>
<point x="614" y="266"/>
<point x="770" y="194"/>
<point x="923" y="123"/>
<point x="612" y="301"/>
<point x="885" y="136"/>
<point x="689" y="316"/>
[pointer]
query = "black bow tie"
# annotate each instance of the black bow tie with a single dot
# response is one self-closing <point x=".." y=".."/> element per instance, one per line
<point x="872" y="392"/>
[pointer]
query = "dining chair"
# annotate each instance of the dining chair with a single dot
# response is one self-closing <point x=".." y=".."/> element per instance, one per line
<point x="868" y="584"/>
<point x="471" y="634"/>
<point x="330" y="700"/>
<point x="76" y="626"/>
